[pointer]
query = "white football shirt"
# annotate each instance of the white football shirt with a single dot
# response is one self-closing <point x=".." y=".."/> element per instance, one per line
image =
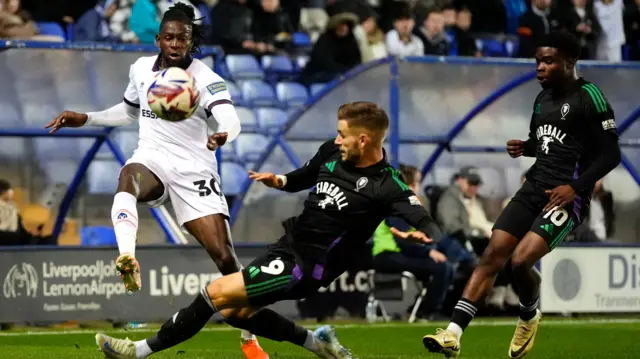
<point x="186" y="140"/>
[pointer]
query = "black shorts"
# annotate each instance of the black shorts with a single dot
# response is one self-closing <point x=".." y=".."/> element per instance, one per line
<point x="275" y="276"/>
<point x="524" y="214"/>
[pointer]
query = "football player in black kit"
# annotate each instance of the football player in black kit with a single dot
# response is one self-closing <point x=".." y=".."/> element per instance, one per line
<point x="574" y="139"/>
<point x="355" y="190"/>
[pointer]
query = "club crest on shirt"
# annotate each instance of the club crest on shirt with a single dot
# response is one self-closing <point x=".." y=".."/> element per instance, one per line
<point x="564" y="110"/>
<point x="361" y="183"/>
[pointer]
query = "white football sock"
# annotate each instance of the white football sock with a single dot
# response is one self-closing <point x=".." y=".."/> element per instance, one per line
<point x="124" y="215"/>
<point x="311" y="343"/>
<point x="455" y="328"/>
<point x="246" y="335"/>
<point x="142" y="349"/>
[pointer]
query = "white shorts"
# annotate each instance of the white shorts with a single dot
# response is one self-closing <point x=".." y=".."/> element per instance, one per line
<point x="193" y="188"/>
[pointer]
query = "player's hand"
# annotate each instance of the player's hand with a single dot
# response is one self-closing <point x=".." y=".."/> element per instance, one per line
<point x="67" y="119"/>
<point x="415" y="236"/>
<point x="437" y="256"/>
<point x="269" y="179"/>
<point x="216" y="140"/>
<point x="515" y="148"/>
<point x="559" y="197"/>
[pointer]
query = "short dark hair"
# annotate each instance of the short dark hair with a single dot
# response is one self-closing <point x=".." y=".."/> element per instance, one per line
<point x="4" y="186"/>
<point x="566" y="43"/>
<point x="409" y="173"/>
<point x="364" y="114"/>
<point x="186" y="14"/>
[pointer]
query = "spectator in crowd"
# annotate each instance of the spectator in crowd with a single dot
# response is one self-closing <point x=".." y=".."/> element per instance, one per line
<point x="16" y="23"/>
<point x="163" y="5"/>
<point x="394" y="255"/>
<point x="490" y="16"/>
<point x="401" y="41"/>
<point x="94" y="24"/>
<point x="375" y="38"/>
<point x="231" y="27"/>
<point x="432" y="34"/>
<point x="62" y="12"/>
<point x="314" y="19"/>
<point x="535" y="24"/>
<point x="600" y="223"/>
<point x="12" y="232"/>
<point x="272" y="28"/>
<point x="119" y="22"/>
<point x="335" y="52"/>
<point x="465" y="42"/>
<point x="610" y="41"/>
<point x="463" y="217"/>
<point x="632" y="29"/>
<point x="449" y="15"/>
<point x="144" y="21"/>
<point x="580" y="20"/>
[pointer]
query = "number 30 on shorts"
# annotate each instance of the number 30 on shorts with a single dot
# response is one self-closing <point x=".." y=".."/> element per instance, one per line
<point x="205" y="190"/>
<point x="557" y="216"/>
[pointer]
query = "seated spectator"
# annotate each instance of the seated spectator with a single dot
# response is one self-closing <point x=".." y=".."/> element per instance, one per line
<point x="463" y="217"/>
<point x="581" y="20"/>
<point x="490" y="16"/>
<point x="432" y="34"/>
<point x="12" y="231"/>
<point x="16" y="23"/>
<point x="533" y="25"/>
<point x="314" y="19"/>
<point x="599" y="224"/>
<point x="632" y="29"/>
<point x="464" y="39"/>
<point x="335" y="52"/>
<point x="449" y="15"/>
<point x="119" y="22"/>
<point x="164" y="5"/>
<point x="400" y="41"/>
<point x="394" y="255"/>
<point x="231" y="26"/>
<point x="94" y="24"/>
<point x="144" y="21"/>
<point x="375" y="39"/>
<point x="272" y="28"/>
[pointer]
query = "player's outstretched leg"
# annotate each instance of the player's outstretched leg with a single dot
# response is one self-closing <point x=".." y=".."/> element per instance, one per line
<point x="224" y="293"/>
<point x="526" y="255"/>
<point x="214" y="234"/>
<point x="136" y="183"/>
<point x="447" y="341"/>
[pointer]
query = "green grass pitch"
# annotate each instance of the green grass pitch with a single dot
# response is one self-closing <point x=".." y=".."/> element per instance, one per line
<point x="483" y="340"/>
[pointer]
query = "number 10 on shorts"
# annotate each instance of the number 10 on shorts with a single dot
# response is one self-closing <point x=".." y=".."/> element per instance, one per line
<point x="561" y="225"/>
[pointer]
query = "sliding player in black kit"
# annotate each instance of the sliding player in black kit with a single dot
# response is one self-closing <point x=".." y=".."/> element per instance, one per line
<point x="355" y="190"/>
<point x="574" y="139"/>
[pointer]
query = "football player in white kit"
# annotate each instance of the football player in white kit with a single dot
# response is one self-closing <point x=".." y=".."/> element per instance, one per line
<point x="174" y="160"/>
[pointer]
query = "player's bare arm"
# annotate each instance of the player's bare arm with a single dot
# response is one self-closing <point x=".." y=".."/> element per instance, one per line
<point x="415" y="236"/>
<point x="67" y="119"/>
<point x="269" y="179"/>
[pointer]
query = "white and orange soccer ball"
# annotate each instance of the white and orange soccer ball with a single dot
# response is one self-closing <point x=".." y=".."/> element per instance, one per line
<point x="173" y="95"/>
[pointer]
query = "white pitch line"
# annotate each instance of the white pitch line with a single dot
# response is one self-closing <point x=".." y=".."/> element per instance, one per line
<point x="479" y="323"/>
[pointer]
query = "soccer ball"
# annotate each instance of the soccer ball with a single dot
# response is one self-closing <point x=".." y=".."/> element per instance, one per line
<point x="173" y="95"/>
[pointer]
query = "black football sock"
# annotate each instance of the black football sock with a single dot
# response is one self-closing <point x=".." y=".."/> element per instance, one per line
<point x="184" y="324"/>
<point x="271" y="325"/>
<point x="529" y="292"/>
<point x="463" y="313"/>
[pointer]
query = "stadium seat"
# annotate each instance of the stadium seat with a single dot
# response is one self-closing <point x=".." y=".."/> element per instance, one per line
<point x="248" y="120"/>
<point x="292" y="94"/>
<point x="51" y="28"/>
<point x="300" y="39"/>
<point x="300" y="62"/>
<point x="204" y="9"/>
<point x="258" y="93"/>
<point x="270" y="120"/>
<point x="233" y="177"/>
<point x="316" y="88"/>
<point x="243" y="67"/>
<point x="102" y="177"/>
<point x="236" y="94"/>
<point x="511" y="46"/>
<point x="250" y="146"/>
<point x="493" y="48"/>
<point x="279" y="65"/>
<point x="95" y="236"/>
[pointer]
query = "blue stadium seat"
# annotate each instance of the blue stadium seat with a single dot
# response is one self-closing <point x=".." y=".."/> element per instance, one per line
<point x="277" y="64"/>
<point x="292" y="94"/>
<point x="51" y="28"/>
<point x="301" y="61"/>
<point x="204" y="9"/>
<point x="247" y="119"/>
<point x="316" y="88"/>
<point x="102" y="177"/>
<point x="242" y="67"/>
<point x="258" y="93"/>
<point x="250" y="146"/>
<point x="271" y="119"/>
<point x="493" y="48"/>
<point x="95" y="236"/>
<point x="233" y="177"/>
<point x="511" y="46"/>
<point x="228" y="152"/>
<point x="300" y="39"/>
<point x="236" y="94"/>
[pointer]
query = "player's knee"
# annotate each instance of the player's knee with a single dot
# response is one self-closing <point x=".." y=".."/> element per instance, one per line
<point x="520" y="262"/>
<point x="225" y="260"/>
<point x="493" y="259"/>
